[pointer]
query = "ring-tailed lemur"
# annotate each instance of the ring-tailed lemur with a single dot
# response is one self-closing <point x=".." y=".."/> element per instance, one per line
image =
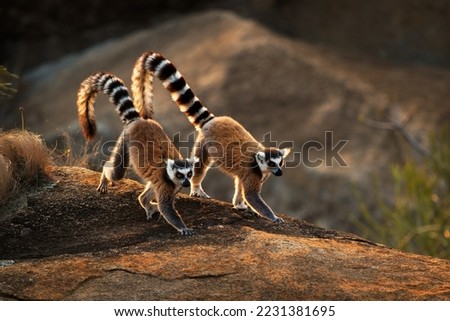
<point x="143" y="143"/>
<point x="220" y="140"/>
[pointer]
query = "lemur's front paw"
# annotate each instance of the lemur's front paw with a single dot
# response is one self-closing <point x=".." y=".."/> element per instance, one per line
<point x="278" y="220"/>
<point x="199" y="192"/>
<point x="102" y="188"/>
<point x="186" y="231"/>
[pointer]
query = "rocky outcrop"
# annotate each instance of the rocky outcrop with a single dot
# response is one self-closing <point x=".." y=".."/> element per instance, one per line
<point x="70" y="243"/>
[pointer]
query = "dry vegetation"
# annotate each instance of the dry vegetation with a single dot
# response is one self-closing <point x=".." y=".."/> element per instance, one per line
<point x="23" y="161"/>
<point x="68" y="152"/>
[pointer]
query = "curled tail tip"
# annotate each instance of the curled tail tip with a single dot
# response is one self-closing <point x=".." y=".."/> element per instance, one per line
<point x="144" y="62"/>
<point x="150" y="53"/>
<point x="86" y="97"/>
<point x="153" y="61"/>
<point x="88" y="128"/>
<point x="88" y="125"/>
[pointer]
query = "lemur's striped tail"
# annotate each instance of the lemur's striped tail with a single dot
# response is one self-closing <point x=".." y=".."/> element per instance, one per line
<point x="117" y="92"/>
<point x="151" y="63"/>
<point x="142" y="88"/>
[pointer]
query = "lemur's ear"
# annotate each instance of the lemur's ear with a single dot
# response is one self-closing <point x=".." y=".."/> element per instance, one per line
<point x="260" y="157"/>
<point x="169" y="162"/>
<point x="194" y="160"/>
<point x="284" y="152"/>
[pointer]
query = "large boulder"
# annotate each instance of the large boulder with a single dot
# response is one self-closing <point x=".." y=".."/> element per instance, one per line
<point x="70" y="243"/>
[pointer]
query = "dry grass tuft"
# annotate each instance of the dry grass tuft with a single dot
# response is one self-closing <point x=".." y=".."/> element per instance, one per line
<point x="23" y="161"/>
<point x="69" y="152"/>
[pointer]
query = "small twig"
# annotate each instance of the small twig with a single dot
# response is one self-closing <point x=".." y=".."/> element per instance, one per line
<point x="379" y="124"/>
<point x="22" y="116"/>
<point x="410" y="139"/>
<point x="400" y="128"/>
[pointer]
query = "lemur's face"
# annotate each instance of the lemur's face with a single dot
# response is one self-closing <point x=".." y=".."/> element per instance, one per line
<point x="180" y="171"/>
<point x="271" y="160"/>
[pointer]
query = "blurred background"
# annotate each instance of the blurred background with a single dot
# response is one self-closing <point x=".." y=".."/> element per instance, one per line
<point x="374" y="73"/>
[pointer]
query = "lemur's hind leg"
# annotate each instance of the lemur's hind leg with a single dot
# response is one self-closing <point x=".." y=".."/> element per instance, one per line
<point x="238" y="198"/>
<point x="145" y="199"/>
<point x="200" y="169"/>
<point x="115" y="168"/>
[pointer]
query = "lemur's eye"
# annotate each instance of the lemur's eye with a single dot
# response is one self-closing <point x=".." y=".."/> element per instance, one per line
<point x="189" y="174"/>
<point x="179" y="175"/>
<point x="271" y="164"/>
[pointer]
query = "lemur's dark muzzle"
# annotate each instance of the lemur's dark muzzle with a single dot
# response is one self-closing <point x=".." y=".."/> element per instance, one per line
<point x="277" y="172"/>
<point x="186" y="183"/>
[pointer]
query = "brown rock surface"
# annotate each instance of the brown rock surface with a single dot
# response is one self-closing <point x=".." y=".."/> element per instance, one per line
<point x="70" y="243"/>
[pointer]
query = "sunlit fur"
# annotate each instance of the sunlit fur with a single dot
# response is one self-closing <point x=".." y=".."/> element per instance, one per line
<point x="240" y="154"/>
<point x="143" y="144"/>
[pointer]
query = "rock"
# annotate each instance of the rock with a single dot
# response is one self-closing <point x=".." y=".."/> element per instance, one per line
<point x="92" y="253"/>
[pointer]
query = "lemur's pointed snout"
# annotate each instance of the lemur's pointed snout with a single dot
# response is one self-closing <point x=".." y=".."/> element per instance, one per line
<point x="186" y="183"/>
<point x="277" y="172"/>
